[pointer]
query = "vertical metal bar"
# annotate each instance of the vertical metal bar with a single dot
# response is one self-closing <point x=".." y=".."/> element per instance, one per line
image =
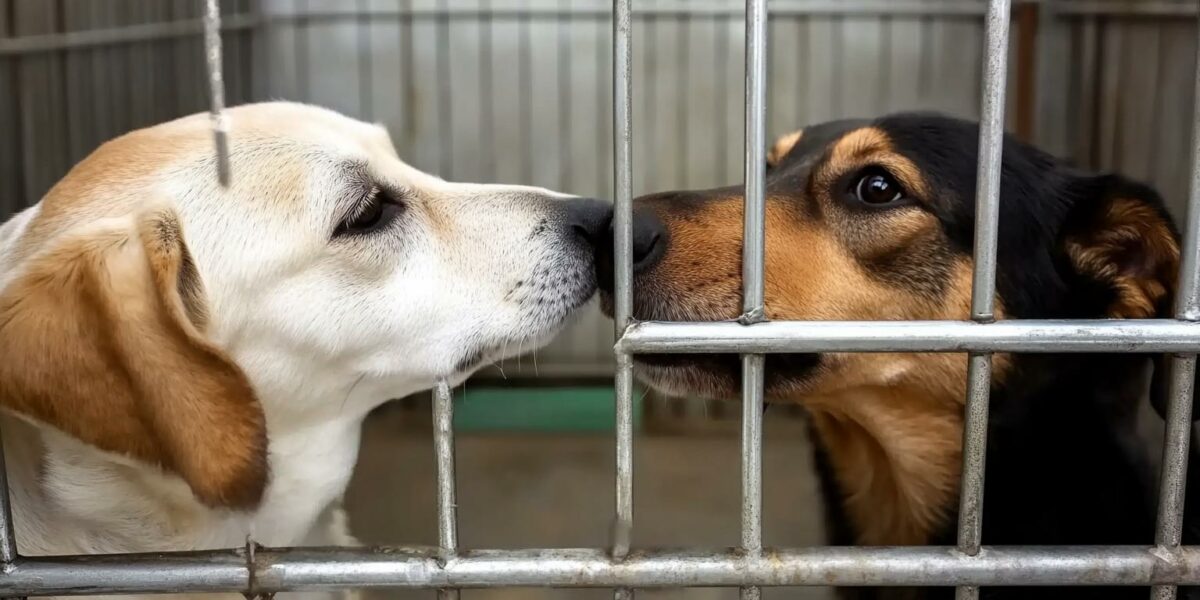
<point x="487" y="94"/>
<point x="444" y="91"/>
<point x="1173" y="484"/>
<point x="753" y="246"/>
<point x="983" y="290"/>
<point x="300" y="35"/>
<point x="564" y="64"/>
<point x="756" y="161"/>
<point x="8" y="538"/>
<point x="525" y="95"/>
<point x="443" y="444"/>
<point x="623" y="272"/>
<point x="216" y="88"/>
<point x="366" y="70"/>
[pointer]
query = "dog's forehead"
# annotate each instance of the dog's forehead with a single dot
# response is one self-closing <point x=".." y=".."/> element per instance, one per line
<point x="814" y="140"/>
<point x="276" y="147"/>
<point x="311" y="126"/>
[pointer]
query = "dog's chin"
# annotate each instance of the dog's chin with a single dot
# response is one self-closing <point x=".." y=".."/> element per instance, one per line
<point x="544" y="318"/>
<point x="719" y="376"/>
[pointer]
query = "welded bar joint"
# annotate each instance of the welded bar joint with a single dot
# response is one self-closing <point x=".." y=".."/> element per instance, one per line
<point x="1182" y="370"/>
<point x="447" y="501"/>
<point x="216" y="88"/>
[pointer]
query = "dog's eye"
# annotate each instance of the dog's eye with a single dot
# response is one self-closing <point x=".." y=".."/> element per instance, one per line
<point x="375" y="212"/>
<point x="876" y="187"/>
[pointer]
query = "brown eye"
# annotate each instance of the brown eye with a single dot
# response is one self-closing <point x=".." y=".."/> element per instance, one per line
<point x="877" y="188"/>
<point x="374" y="213"/>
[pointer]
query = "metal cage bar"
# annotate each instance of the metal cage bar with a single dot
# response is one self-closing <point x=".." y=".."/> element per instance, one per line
<point x="216" y="88"/>
<point x="1173" y="485"/>
<point x="983" y="287"/>
<point x="753" y="246"/>
<point x="326" y="569"/>
<point x="623" y="275"/>
<point x="447" y="503"/>
<point x="1016" y="335"/>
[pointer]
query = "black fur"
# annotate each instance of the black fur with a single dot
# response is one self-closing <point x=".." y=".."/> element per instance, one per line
<point x="1063" y="462"/>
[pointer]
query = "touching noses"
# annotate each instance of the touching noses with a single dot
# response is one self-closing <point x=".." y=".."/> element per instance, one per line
<point x="592" y="221"/>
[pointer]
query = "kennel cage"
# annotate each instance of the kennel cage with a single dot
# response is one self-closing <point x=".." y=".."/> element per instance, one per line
<point x="1085" y="112"/>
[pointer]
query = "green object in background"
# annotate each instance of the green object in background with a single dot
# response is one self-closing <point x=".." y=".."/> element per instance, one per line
<point x="548" y="409"/>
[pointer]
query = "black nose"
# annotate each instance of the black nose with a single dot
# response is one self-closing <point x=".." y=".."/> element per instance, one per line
<point x="649" y="243"/>
<point x="588" y="218"/>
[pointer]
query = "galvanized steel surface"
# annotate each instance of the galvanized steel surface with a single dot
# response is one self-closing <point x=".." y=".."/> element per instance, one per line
<point x="1103" y="335"/>
<point x="1181" y="390"/>
<point x="303" y="569"/>
<point x="983" y="286"/>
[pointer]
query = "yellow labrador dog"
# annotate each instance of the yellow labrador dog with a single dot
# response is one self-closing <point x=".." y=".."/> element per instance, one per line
<point x="182" y="364"/>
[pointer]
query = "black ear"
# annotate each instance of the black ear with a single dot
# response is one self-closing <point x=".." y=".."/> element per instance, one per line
<point x="1119" y="236"/>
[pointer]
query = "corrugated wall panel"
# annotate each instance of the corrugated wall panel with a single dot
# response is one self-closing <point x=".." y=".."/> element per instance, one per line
<point x="519" y="91"/>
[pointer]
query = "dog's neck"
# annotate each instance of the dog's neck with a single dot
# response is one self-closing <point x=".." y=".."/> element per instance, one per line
<point x="895" y="454"/>
<point x="72" y="498"/>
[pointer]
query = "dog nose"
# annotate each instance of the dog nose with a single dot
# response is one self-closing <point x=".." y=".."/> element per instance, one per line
<point x="649" y="243"/>
<point x="589" y="219"/>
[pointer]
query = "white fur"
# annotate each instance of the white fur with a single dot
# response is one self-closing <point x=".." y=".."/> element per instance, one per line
<point x="325" y="329"/>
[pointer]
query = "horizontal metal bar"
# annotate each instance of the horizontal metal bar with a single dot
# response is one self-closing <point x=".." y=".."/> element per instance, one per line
<point x="16" y="46"/>
<point x="119" y="35"/>
<point x="1112" y="335"/>
<point x="307" y="569"/>
<point x="731" y="8"/>
<point x="1144" y="8"/>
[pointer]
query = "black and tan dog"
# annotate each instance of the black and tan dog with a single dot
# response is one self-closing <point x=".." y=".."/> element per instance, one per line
<point x="874" y="220"/>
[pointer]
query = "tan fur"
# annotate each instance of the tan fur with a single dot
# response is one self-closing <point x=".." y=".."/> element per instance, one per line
<point x="96" y="340"/>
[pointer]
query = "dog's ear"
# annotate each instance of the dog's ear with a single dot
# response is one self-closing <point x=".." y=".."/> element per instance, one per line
<point x="1119" y="235"/>
<point x="782" y="146"/>
<point x="101" y="338"/>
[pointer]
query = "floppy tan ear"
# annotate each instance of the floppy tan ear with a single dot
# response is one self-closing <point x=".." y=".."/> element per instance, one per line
<point x="100" y="337"/>
<point x="1120" y="235"/>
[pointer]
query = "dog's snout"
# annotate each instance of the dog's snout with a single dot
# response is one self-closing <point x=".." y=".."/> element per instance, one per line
<point x="589" y="219"/>
<point x="649" y="243"/>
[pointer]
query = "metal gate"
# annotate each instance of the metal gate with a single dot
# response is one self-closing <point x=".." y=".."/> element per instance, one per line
<point x="256" y="571"/>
